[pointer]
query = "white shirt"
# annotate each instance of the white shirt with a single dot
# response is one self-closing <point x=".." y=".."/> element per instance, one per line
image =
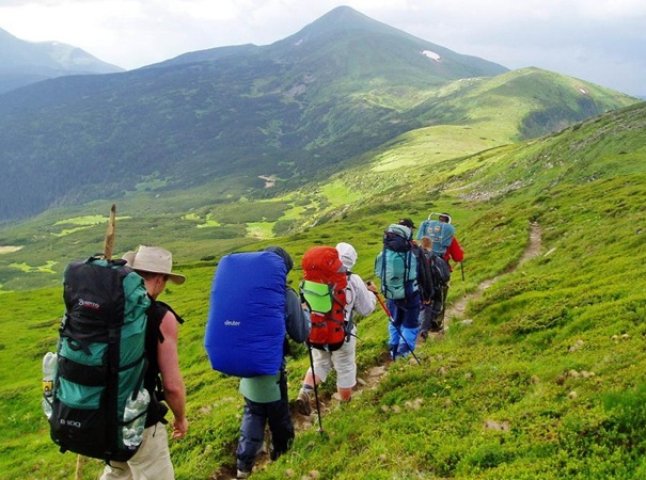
<point x="359" y="298"/>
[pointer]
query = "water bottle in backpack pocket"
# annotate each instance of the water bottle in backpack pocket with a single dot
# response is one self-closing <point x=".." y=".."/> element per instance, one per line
<point x="49" y="372"/>
<point x="134" y="418"/>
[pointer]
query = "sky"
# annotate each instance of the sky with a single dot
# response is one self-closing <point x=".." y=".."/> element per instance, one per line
<point x="602" y="41"/>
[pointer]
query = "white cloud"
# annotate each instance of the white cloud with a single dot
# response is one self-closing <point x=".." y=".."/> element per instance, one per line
<point x="545" y="33"/>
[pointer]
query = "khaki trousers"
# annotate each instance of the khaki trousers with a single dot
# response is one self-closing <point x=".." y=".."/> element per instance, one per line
<point x="151" y="462"/>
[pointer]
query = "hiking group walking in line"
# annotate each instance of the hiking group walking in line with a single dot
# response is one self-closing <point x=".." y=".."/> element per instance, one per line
<point x="117" y="372"/>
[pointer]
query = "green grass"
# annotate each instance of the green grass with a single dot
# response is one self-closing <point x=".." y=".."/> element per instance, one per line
<point x="546" y="382"/>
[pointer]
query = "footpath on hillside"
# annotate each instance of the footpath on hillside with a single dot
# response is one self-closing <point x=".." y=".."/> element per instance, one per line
<point x="372" y="377"/>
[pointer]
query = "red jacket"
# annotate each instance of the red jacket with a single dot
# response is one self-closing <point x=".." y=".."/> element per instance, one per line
<point x="454" y="251"/>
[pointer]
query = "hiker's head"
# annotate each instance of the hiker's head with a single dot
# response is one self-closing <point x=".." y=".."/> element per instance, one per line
<point x="153" y="261"/>
<point x="347" y="254"/>
<point x="427" y="243"/>
<point x="289" y="263"/>
<point x="407" y="222"/>
<point x="445" y="217"/>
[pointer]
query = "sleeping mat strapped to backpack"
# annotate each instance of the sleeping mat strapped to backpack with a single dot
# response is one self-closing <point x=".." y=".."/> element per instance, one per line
<point x="245" y="330"/>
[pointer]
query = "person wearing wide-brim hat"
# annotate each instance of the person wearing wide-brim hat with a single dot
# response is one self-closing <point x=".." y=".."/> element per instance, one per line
<point x="153" y="260"/>
<point x="152" y="460"/>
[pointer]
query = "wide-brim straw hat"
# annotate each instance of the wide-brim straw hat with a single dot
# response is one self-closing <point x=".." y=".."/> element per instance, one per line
<point x="153" y="260"/>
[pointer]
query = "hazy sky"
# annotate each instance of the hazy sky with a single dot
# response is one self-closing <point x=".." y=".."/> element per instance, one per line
<point x="603" y="41"/>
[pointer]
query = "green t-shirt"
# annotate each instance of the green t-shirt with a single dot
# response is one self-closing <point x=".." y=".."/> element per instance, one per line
<point x="261" y="389"/>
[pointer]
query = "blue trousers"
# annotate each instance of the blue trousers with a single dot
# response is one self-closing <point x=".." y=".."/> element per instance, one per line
<point x="403" y="330"/>
<point x="252" y="430"/>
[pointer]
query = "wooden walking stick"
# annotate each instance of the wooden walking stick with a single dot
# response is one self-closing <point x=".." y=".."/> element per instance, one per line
<point x="108" y="245"/>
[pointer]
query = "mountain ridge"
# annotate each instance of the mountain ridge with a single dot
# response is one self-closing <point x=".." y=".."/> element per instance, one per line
<point x="281" y="110"/>
<point x="24" y="62"/>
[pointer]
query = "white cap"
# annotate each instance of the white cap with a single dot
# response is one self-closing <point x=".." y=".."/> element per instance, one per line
<point x="347" y="254"/>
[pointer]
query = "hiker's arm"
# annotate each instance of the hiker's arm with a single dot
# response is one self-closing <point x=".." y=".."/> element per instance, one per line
<point x="455" y="250"/>
<point x="298" y="321"/>
<point x="365" y="301"/>
<point x="168" y="360"/>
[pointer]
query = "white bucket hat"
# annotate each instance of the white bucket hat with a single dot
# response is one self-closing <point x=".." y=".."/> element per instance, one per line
<point x="153" y="260"/>
<point x="347" y="254"/>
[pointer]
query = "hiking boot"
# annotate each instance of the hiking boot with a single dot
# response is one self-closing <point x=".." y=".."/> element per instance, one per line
<point x="303" y="403"/>
<point x="424" y="336"/>
<point x="436" y="327"/>
<point x="242" y="474"/>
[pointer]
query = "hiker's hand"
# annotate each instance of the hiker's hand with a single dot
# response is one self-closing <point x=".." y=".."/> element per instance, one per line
<point x="371" y="286"/>
<point x="180" y="427"/>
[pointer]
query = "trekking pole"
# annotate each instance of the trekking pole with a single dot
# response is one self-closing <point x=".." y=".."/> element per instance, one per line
<point x="316" y="392"/>
<point x="108" y="244"/>
<point x="462" y="269"/>
<point x="79" y="467"/>
<point x="392" y="322"/>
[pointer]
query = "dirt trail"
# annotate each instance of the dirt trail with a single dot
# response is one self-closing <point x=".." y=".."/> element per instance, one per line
<point x="458" y="308"/>
<point x="371" y="378"/>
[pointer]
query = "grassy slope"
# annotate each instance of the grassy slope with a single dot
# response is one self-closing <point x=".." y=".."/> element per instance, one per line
<point x="523" y="363"/>
<point x="465" y="116"/>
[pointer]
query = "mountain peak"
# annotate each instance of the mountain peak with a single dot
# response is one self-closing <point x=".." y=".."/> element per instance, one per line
<point x="344" y="13"/>
<point x="343" y="19"/>
<point x="23" y="62"/>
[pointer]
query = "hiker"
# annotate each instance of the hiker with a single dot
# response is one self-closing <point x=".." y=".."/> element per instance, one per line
<point x="360" y="299"/>
<point x="454" y="250"/>
<point x="406" y="283"/>
<point x="152" y="459"/>
<point x="440" y="245"/>
<point x="442" y="234"/>
<point x="432" y="314"/>
<point x="266" y="395"/>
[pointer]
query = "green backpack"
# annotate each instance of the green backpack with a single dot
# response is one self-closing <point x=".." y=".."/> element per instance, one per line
<point x="396" y="265"/>
<point x="97" y="404"/>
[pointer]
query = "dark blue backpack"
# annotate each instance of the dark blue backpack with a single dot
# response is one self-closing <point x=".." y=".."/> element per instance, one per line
<point x="245" y="330"/>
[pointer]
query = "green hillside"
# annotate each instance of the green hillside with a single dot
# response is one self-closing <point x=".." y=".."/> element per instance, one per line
<point x="291" y="109"/>
<point x="297" y="110"/>
<point x="470" y="116"/>
<point x="544" y="381"/>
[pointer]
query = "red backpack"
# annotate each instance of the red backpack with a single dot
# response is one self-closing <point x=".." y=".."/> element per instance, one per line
<point x="324" y="285"/>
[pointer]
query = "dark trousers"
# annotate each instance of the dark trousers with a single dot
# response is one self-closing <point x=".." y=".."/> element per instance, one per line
<point x="252" y="430"/>
<point x="433" y="314"/>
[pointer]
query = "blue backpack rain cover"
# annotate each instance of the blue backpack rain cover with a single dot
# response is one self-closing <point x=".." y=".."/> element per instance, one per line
<point x="440" y="233"/>
<point x="245" y="330"/>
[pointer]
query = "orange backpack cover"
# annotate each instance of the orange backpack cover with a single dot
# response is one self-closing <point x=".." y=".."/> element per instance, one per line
<point x="322" y="265"/>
